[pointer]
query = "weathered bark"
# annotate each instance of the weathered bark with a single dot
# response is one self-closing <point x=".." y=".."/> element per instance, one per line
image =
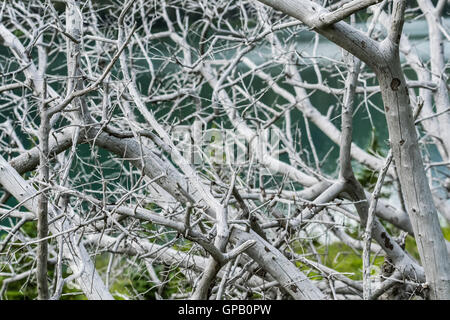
<point x="384" y="60"/>
<point x="416" y="191"/>
<point x="42" y="210"/>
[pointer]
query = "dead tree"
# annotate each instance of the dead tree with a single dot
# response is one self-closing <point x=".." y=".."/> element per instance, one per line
<point x="183" y="142"/>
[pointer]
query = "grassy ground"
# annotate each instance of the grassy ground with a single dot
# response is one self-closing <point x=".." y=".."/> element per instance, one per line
<point x="133" y="283"/>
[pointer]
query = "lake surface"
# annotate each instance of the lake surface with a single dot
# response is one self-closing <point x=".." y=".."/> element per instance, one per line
<point x="326" y="53"/>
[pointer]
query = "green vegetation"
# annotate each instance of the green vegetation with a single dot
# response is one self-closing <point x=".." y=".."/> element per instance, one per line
<point x="339" y="257"/>
<point x="135" y="282"/>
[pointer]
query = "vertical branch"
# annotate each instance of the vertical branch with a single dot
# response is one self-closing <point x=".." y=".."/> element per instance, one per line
<point x="354" y="188"/>
<point x="433" y="16"/>
<point x="73" y="28"/>
<point x="385" y="61"/>
<point x="213" y="267"/>
<point x="223" y="282"/>
<point x="409" y="163"/>
<point x="398" y="18"/>
<point x="42" y="225"/>
<point x="346" y="170"/>
<point x="369" y="225"/>
<point x="59" y="281"/>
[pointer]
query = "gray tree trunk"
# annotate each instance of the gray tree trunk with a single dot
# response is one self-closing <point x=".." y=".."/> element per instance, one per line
<point x="384" y="59"/>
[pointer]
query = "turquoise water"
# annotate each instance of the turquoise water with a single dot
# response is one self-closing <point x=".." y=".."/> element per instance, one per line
<point x="303" y="41"/>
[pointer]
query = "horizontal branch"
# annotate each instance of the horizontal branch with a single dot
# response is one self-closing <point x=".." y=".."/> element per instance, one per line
<point x="343" y="12"/>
